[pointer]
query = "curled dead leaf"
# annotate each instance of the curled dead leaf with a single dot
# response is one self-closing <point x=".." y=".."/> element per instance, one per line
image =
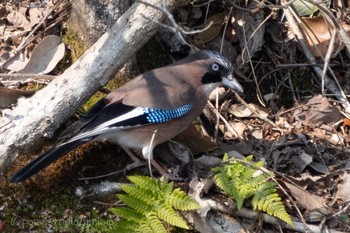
<point x="45" y="56"/>
<point x="240" y="110"/>
<point x="305" y="199"/>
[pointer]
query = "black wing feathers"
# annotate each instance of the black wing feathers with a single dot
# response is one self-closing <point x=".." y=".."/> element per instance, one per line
<point x="84" y="120"/>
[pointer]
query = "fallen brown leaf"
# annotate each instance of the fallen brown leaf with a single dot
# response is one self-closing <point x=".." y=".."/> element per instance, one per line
<point x="305" y="199"/>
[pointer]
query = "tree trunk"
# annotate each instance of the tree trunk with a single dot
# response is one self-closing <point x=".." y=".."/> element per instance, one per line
<point x="38" y="117"/>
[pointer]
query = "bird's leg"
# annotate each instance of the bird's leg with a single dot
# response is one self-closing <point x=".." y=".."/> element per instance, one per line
<point x="159" y="168"/>
<point x="148" y="154"/>
<point x="137" y="162"/>
<point x="164" y="173"/>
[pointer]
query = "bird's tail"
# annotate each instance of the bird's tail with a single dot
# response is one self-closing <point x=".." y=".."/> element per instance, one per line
<point x="44" y="160"/>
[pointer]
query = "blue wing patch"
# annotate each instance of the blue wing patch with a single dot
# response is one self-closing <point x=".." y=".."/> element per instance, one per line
<point x="155" y="115"/>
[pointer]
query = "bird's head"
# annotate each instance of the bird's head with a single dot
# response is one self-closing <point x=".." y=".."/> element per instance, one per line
<point x="218" y="71"/>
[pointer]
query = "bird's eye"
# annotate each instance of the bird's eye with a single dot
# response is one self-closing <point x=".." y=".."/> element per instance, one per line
<point x="215" y="67"/>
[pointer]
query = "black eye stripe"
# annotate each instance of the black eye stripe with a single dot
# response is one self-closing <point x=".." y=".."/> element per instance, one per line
<point x="211" y="77"/>
<point x="219" y="67"/>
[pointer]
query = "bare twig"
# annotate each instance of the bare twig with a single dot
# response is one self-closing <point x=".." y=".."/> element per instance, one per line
<point x="254" y="111"/>
<point x="328" y="58"/>
<point x="175" y="28"/>
<point x="224" y="31"/>
<point x="229" y="127"/>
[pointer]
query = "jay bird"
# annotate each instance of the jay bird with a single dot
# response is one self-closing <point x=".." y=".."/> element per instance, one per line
<point x="146" y="111"/>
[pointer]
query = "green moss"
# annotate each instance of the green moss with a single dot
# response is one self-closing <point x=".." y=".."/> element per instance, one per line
<point x="114" y="83"/>
<point x="76" y="46"/>
<point x="56" y="209"/>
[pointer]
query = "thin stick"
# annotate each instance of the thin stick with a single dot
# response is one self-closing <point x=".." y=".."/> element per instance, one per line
<point x="254" y="111"/>
<point x="230" y="128"/>
<point x="150" y="151"/>
<point x="175" y="28"/>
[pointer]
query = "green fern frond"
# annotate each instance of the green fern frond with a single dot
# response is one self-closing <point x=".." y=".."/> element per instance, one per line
<point x="223" y="181"/>
<point x="181" y="201"/>
<point x="139" y="205"/>
<point x="239" y="201"/>
<point x="146" y="182"/>
<point x="273" y="205"/>
<point x="166" y="188"/>
<point x="150" y="204"/>
<point x="280" y="212"/>
<point x="127" y="213"/>
<point x="226" y="157"/>
<point x="169" y="215"/>
<point x="263" y="190"/>
<point x="152" y="224"/>
<point x="147" y="195"/>
<point x="124" y="226"/>
<point x="241" y="181"/>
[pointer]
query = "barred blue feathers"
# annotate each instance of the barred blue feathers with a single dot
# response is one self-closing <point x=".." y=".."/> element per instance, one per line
<point x="155" y="115"/>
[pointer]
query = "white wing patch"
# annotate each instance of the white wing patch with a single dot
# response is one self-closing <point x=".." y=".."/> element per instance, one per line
<point x="105" y="127"/>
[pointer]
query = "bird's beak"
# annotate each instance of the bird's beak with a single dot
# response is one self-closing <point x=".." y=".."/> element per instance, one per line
<point x="230" y="82"/>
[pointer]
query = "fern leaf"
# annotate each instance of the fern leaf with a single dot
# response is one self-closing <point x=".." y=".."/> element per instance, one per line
<point x="273" y="205"/>
<point x="181" y="201"/>
<point x="266" y="186"/>
<point x="124" y="226"/>
<point x="248" y="158"/>
<point x="224" y="182"/>
<point x="137" y="204"/>
<point x="246" y="190"/>
<point x="226" y="157"/>
<point x="145" y="182"/>
<point x="239" y="201"/>
<point x="151" y="201"/>
<point x="147" y="195"/>
<point x="169" y="215"/>
<point x="278" y="210"/>
<point x="152" y="224"/>
<point x="241" y="182"/>
<point x="234" y="169"/>
<point x="247" y="175"/>
<point x="166" y="188"/>
<point x="127" y="214"/>
<point x="259" y="164"/>
<point x="268" y="200"/>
